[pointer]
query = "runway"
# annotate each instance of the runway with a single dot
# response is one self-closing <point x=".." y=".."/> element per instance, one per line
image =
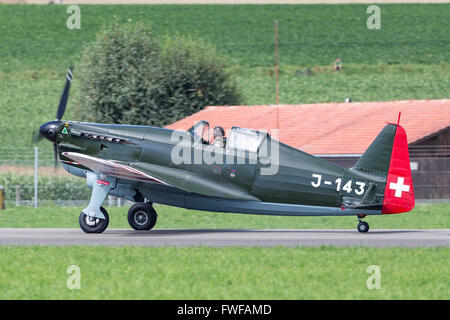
<point x="228" y="237"/>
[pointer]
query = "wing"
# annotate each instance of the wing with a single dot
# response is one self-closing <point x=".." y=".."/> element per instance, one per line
<point x="181" y="179"/>
<point x="196" y="183"/>
<point x="110" y="168"/>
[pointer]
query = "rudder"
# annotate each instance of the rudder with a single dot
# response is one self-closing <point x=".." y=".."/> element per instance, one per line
<point x="399" y="192"/>
<point x="388" y="156"/>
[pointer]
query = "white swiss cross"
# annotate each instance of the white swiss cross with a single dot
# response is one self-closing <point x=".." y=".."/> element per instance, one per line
<point x="399" y="187"/>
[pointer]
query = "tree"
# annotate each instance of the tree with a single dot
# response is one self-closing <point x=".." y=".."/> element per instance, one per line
<point x="127" y="76"/>
<point x="192" y="77"/>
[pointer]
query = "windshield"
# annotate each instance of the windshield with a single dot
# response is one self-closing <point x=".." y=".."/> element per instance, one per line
<point x="200" y="131"/>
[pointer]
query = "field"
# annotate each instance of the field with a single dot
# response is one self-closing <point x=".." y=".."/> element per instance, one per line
<point x="227" y="273"/>
<point x="424" y="216"/>
<point x="36" y="37"/>
<point x="406" y="59"/>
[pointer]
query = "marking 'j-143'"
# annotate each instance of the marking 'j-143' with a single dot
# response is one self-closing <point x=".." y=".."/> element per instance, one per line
<point x="347" y="186"/>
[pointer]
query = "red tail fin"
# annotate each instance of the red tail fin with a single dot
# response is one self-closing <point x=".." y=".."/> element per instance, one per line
<point x="399" y="193"/>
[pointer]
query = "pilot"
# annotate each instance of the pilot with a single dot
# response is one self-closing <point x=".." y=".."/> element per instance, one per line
<point x="219" y="137"/>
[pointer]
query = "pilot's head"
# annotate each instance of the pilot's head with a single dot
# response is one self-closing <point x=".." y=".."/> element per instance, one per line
<point x="218" y="132"/>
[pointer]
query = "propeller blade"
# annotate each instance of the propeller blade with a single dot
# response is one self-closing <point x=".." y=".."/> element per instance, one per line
<point x="36" y="138"/>
<point x="65" y="95"/>
<point x="55" y="153"/>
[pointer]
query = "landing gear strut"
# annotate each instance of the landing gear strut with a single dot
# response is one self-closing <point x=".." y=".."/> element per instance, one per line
<point x="363" y="226"/>
<point x="142" y="216"/>
<point x="94" y="218"/>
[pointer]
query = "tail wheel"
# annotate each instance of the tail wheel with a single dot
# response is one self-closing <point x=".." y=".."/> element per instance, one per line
<point x="363" y="227"/>
<point x="142" y="216"/>
<point x="94" y="225"/>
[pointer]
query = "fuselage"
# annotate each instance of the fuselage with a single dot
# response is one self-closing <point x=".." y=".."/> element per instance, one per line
<point x="282" y="180"/>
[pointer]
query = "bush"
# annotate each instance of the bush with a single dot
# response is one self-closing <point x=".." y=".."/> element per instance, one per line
<point x="129" y="77"/>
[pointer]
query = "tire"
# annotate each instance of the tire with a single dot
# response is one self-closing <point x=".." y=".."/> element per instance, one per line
<point x="94" y="225"/>
<point x="142" y="216"/>
<point x="363" y="227"/>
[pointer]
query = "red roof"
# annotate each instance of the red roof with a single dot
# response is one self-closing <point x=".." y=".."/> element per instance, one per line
<point x="330" y="128"/>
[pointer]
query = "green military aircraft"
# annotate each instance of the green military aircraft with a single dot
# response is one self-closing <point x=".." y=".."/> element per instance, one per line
<point x="250" y="173"/>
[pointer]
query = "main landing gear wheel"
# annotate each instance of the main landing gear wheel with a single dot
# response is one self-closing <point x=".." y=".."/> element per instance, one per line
<point x="94" y="225"/>
<point x="363" y="226"/>
<point x="142" y="216"/>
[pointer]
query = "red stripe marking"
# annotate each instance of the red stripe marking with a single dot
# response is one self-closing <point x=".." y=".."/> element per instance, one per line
<point x="103" y="182"/>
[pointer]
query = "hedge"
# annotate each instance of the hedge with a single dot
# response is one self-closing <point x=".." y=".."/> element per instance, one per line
<point x="50" y="187"/>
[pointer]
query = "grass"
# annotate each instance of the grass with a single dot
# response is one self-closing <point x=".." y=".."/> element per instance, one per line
<point x="223" y="273"/>
<point x="36" y="37"/>
<point x="424" y="216"/>
<point x="360" y="82"/>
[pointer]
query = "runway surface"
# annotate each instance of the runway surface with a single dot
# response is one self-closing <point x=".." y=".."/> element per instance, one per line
<point x="228" y="237"/>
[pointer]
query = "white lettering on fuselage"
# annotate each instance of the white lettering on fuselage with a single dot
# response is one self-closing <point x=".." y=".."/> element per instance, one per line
<point x="347" y="186"/>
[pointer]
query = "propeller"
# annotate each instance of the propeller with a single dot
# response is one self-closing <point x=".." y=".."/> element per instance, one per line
<point x="50" y="129"/>
<point x="55" y="154"/>
<point x="35" y="138"/>
<point x="65" y="95"/>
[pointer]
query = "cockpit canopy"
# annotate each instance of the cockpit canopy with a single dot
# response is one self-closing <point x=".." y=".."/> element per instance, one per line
<point x="239" y="138"/>
<point x="245" y="139"/>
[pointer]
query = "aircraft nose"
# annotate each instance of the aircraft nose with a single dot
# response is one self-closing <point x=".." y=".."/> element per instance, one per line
<point x="49" y="130"/>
